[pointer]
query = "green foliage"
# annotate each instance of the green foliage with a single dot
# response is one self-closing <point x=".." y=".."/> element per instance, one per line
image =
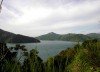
<point x="33" y="63"/>
<point x="83" y="57"/>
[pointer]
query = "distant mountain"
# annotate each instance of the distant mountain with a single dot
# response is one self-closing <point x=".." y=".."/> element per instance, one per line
<point x="94" y="35"/>
<point x="74" y="37"/>
<point x="49" y="36"/>
<point x="67" y="37"/>
<point x="8" y="37"/>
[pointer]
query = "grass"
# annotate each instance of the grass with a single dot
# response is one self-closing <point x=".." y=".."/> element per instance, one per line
<point x="83" y="57"/>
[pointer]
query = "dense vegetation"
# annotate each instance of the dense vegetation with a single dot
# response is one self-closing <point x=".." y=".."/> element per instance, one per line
<point x="83" y="57"/>
<point x="69" y="37"/>
<point x="94" y="35"/>
<point x="7" y="37"/>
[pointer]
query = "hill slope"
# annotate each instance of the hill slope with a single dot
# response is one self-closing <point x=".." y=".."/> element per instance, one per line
<point x="83" y="57"/>
<point x="94" y="35"/>
<point x="49" y="36"/>
<point x="7" y="37"/>
<point x="74" y="37"/>
<point x="68" y="37"/>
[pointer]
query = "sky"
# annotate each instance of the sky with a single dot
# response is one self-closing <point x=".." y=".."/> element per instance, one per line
<point x="38" y="17"/>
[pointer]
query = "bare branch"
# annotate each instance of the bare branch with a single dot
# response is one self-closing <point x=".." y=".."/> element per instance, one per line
<point x="1" y="5"/>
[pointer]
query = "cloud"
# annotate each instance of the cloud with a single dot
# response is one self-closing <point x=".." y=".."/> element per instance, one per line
<point x="36" y="17"/>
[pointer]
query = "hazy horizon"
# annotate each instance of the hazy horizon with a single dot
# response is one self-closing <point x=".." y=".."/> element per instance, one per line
<point x="37" y="17"/>
<point x="52" y="32"/>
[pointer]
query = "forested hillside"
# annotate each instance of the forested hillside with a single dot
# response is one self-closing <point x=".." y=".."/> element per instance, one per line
<point x="69" y="37"/>
<point x="8" y="37"/>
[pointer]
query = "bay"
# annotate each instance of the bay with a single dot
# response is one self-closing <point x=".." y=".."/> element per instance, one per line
<point x="47" y="49"/>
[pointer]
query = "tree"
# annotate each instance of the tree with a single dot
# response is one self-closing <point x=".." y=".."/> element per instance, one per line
<point x="1" y="5"/>
<point x="33" y="63"/>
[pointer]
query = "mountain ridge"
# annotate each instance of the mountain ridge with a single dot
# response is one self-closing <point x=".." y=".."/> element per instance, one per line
<point x="68" y="37"/>
<point x="8" y="37"/>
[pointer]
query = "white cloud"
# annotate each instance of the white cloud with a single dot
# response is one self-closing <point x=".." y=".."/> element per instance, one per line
<point x="33" y="14"/>
<point x="48" y="15"/>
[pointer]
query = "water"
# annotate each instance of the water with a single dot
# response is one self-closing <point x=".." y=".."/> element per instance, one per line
<point x="47" y="49"/>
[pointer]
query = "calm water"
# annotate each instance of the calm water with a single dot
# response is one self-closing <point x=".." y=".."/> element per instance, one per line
<point x="48" y="48"/>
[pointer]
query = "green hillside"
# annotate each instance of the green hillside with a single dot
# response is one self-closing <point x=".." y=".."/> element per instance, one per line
<point x="68" y="37"/>
<point x="8" y="37"/>
<point x="49" y="36"/>
<point x="80" y="58"/>
<point x="94" y="35"/>
<point x="74" y="37"/>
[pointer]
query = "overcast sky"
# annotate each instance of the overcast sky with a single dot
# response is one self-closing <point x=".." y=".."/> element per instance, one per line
<point x="37" y="17"/>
